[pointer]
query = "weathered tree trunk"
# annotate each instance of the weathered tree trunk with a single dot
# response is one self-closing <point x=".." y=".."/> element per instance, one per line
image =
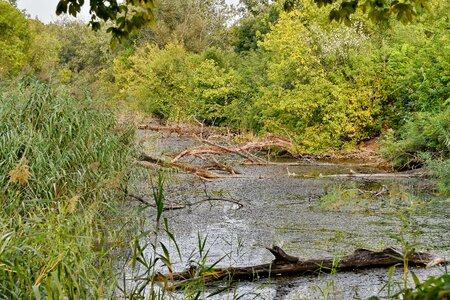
<point x="288" y="265"/>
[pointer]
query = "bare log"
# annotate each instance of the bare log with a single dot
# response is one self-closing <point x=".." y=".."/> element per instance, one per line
<point x="285" y="264"/>
<point x="237" y="151"/>
<point x="215" y="148"/>
<point x="216" y="165"/>
<point x="203" y="173"/>
<point x="376" y="175"/>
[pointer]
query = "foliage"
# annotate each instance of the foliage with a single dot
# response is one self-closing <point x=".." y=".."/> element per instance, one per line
<point x="14" y="39"/>
<point x="425" y="132"/>
<point x="81" y="49"/>
<point x="440" y="169"/>
<point x="432" y="288"/>
<point x="404" y="11"/>
<point x="174" y="84"/>
<point x="194" y="24"/>
<point x="126" y="17"/>
<point x="60" y="160"/>
<point x="418" y="73"/>
<point x="251" y="29"/>
<point x="422" y="140"/>
<point x="309" y="99"/>
<point x="43" y="50"/>
<point x="132" y="15"/>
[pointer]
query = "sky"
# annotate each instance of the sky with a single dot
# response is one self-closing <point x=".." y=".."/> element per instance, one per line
<point x="44" y="10"/>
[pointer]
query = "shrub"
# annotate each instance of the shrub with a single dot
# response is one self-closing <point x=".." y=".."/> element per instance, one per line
<point x="308" y="99"/>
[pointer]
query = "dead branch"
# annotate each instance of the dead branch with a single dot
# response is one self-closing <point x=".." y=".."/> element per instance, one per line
<point x="196" y="151"/>
<point x="203" y="173"/>
<point x="269" y="141"/>
<point x="285" y="264"/>
<point x="172" y="206"/>
<point x="242" y="151"/>
<point x="240" y="205"/>
<point x="376" y="175"/>
<point x="216" y="165"/>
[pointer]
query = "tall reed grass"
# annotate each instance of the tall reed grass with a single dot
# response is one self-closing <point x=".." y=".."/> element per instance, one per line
<point x="61" y="160"/>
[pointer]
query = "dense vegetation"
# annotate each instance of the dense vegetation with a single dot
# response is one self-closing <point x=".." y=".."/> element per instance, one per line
<point x="61" y="159"/>
<point x="327" y="87"/>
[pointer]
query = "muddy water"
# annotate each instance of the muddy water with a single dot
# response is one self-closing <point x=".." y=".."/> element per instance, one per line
<point x="307" y="214"/>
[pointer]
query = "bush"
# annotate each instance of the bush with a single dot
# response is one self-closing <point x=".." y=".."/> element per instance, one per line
<point x="424" y="132"/>
<point x="424" y="140"/>
<point x="311" y="101"/>
<point x="176" y="85"/>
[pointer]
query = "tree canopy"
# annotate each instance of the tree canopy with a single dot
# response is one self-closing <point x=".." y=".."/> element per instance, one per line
<point x="131" y="15"/>
<point x="405" y="11"/>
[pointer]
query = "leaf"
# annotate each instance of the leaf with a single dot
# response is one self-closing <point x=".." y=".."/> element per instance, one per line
<point x="61" y="7"/>
<point x="415" y="279"/>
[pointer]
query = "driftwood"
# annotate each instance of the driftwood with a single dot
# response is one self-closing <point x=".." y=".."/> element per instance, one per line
<point x="243" y="151"/>
<point x="203" y="173"/>
<point x="285" y="264"/>
<point x="376" y="175"/>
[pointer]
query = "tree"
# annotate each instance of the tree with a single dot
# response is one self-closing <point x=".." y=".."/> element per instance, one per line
<point x="42" y="54"/>
<point x="14" y="39"/>
<point x="377" y="10"/>
<point x="131" y="15"/>
<point x="197" y="24"/>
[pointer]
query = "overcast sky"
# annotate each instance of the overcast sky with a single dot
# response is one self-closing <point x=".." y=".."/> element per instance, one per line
<point x="44" y="10"/>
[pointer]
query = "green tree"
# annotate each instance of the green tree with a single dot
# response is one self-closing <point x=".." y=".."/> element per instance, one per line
<point x="377" y="10"/>
<point x="321" y="94"/>
<point x="131" y="15"/>
<point x="252" y="27"/>
<point x="43" y="50"/>
<point x="14" y="39"/>
<point x="197" y="24"/>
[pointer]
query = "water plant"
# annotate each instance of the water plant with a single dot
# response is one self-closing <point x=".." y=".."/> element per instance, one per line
<point x="61" y="159"/>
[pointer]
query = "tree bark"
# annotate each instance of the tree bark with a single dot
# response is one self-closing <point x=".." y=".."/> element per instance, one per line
<point x="285" y="264"/>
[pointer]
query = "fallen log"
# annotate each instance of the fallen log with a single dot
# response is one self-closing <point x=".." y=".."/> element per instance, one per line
<point x="375" y="175"/>
<point x="215" y="148"/>
<point x="203" y="173"/>
<point x="285" y="264"/>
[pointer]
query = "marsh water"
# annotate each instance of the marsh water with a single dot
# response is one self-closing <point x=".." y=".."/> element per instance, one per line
<point x="296" y="205"/>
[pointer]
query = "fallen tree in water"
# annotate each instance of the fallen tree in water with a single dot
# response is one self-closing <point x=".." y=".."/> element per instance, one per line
<point x="242" y="150"/>
<point x="285" y="264"/>
<point x="202" y="172"/>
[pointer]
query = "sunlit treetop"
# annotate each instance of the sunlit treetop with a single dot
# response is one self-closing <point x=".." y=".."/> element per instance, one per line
<point x="405" y="11"/>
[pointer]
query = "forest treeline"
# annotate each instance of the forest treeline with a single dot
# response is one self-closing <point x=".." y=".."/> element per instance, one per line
<point x="327" y="87"/>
